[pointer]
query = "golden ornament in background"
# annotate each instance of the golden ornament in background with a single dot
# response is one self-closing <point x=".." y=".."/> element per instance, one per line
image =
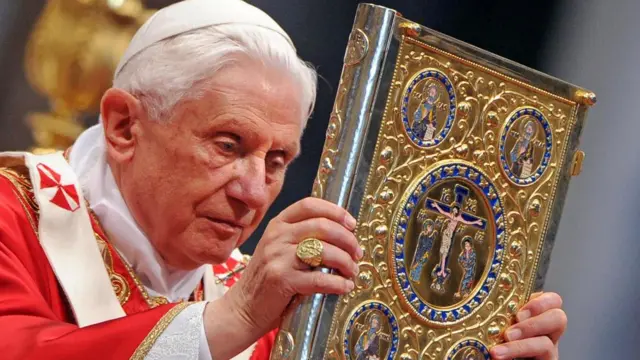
<point x="71" y="55"/>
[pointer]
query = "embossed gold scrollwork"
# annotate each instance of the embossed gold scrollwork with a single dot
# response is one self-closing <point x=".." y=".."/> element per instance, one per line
<point x="357" y="49"/>
<point x="118" y="282"/>
<point x="284" y="345"/>
<point x="330" y="151"/>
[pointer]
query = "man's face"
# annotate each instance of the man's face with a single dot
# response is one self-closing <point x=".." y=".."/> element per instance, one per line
<point x="200" y="184"/>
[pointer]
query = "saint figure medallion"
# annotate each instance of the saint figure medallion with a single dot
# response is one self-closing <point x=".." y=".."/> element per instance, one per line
<point x="525" y="146"/>
<point x="428" y="108"/>
<point x="371" y="333"/>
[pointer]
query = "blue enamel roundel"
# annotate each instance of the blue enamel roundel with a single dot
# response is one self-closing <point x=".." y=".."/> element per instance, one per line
<point x="388" y="333"/>
<point x="466" y="175"/>
<point x="469" y="349"/>
<point x="525" y="146"/>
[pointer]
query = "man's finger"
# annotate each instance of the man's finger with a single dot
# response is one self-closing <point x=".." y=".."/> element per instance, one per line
<point x="335" y="258"/>
<point x="535" y="295"/>
<point x="551" y="323"/>
<point x="538" y="305"/>
<point x="328" y="231"/>
<point x="310" y="208"/>
<point x="313" y="282"/>
<point x="539" y="348"/>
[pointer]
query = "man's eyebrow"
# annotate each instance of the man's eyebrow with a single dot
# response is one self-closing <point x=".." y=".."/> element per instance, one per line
<point x="291" y="149"/>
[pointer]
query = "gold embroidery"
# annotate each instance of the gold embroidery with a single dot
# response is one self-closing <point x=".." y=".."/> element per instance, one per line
<point x="151" y="300"/>
<point x="24" y="191"/>
<point x="146" y="344"/>
<point x="156" y="301"/>
<point x="118" y="282"/>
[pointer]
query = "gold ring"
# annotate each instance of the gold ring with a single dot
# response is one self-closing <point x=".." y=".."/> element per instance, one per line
<point x="309" y="251"/>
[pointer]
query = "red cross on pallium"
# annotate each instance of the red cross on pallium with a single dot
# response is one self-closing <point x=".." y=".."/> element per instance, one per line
<point x="225" y="269"/>
<point x="66" y="196"/>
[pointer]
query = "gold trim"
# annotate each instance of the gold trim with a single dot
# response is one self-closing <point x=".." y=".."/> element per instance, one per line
<point x="151" y="300"/>
<point x="146" y="344"/>
<point x="23" y="189"/>
<point x="488" y="70"/>
<point x="545" y="226"/>
<point x="118" y="282"/>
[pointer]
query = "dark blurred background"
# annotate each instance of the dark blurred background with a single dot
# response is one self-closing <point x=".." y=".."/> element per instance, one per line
<point x="588" y="42"/>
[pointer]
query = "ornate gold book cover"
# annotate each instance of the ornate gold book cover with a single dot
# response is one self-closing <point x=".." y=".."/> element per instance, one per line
<point x="456" y="163"/>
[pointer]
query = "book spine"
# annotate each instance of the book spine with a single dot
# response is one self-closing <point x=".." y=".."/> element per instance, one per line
<point x="304" y="329"/>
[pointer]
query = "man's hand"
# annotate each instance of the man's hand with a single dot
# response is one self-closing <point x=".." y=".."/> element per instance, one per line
<point x="540" y="324"/>
<point x="274" y="275"/>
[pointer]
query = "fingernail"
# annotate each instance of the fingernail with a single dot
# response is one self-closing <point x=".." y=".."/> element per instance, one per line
<point x="350" y="285"/>
<point x="351" y="222"/>
<point x="360" y="253"/>
<point x="356" y="269"/>
<point x="514" y="334"/>
<point x="524" y="315"/>
<point x="500" y="351"/>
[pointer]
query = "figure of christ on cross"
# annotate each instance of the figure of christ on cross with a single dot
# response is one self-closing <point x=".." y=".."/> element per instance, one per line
<point x="454" y="214"/>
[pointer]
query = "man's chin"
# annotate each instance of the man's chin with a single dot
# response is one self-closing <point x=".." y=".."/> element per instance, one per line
<point x="217" y="258"/>
<point x="221" y="252"/>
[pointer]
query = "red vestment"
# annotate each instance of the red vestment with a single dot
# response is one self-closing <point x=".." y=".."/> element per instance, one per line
<point x="36" y="321"/>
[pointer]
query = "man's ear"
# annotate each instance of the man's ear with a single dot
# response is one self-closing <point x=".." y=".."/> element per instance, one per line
<point x="120" y="112"/>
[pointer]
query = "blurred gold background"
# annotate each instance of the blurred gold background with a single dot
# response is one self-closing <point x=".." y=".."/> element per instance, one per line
<point x="70" y="50"/>
<point x="74" y="70"/>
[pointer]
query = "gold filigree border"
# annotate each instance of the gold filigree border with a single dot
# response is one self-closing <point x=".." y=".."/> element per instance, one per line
<point x="146" y="344"/>
<point x="488" y="70"/>
<point x="545" y="226"/>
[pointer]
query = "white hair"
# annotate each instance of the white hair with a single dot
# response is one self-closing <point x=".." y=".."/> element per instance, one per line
<point x="169" y="71"/>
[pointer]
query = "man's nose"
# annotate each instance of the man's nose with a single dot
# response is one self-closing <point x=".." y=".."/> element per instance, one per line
<point x="250" y="185"/>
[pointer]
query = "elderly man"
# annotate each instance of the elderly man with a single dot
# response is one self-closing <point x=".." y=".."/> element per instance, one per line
<point x="122" y="246"/>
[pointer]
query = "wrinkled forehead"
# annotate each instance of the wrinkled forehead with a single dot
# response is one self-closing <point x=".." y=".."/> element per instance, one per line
<point x="258" y="104"/>
<point x="268" y="90"/>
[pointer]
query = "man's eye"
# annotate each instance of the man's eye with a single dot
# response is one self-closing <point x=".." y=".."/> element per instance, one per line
<point x="276" y="162"/>
<point x="227" y="146"/>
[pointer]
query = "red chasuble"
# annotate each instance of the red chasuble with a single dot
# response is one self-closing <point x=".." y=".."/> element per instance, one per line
<point x="36" y="320"/>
